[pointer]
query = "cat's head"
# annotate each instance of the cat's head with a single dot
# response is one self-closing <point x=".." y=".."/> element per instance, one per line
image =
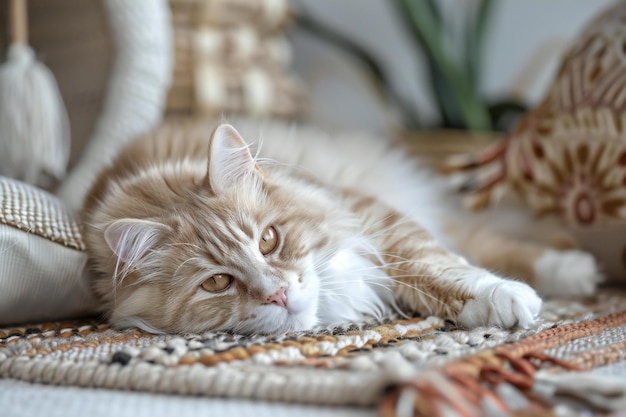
<point x="241" y="254"/>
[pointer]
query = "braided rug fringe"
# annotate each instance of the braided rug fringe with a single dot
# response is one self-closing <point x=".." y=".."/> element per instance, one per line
<point x="322" y="387"/>
<point x="470" y="386"/>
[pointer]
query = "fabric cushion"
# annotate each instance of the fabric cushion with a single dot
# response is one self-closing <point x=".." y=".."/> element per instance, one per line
<point x="42" y="257"/>
<point x="566" y="157"/>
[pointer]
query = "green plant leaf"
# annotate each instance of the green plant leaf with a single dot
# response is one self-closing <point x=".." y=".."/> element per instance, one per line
<point x="474" y="48"/>
<point x="429" y="32"/>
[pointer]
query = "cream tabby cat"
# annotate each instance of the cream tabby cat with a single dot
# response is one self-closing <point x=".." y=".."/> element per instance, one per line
<point x="190" y="231"/>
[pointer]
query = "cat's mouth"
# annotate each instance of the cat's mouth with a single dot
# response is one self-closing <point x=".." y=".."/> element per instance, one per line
<point x="291" y="309"/>
<point x="296" y="315"/>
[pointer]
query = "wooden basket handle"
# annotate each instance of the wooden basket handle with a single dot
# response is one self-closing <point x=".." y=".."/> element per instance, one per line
<point x="19" y="22"/>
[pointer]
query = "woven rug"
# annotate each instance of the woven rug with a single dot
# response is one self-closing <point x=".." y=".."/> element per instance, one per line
<point x="419" y="366"/>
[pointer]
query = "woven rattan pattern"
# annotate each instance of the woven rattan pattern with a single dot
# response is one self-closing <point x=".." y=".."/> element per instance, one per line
<point x="35" y="211"/>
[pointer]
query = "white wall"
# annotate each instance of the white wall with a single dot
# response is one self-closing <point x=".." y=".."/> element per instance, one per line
<point x="524" y="34"/>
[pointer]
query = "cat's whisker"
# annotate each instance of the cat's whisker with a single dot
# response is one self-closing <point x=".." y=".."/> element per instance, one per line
<point x="193" y="245"/>
<point x="390" y="255"/>
<point x="393" y="282"/>
<point x="365" y="231"/>
<point x="413" y="287"/>
<point x="181" y="265"/>
<point x="403" y="262"/>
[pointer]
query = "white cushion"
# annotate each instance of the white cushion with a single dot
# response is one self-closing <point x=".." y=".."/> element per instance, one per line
<point x="42" y="257"/>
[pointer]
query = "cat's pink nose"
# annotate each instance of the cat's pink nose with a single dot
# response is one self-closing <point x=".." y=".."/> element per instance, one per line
<point x="279" y="298"/>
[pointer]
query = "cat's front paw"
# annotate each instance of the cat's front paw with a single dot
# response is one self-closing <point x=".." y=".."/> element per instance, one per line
<point x="570" y="273"/>
<point x="503" y="303"/>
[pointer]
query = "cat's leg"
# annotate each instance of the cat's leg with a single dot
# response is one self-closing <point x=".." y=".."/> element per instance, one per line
<point x="554" y="267"/>
<point x="431" y="280"/>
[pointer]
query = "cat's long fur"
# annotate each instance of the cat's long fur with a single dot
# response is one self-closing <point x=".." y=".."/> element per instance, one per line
<point x="182" y="205"/>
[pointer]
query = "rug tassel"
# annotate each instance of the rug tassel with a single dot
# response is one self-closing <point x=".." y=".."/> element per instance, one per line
<point x="34" y="138"/>
<point x="602" y="391"/>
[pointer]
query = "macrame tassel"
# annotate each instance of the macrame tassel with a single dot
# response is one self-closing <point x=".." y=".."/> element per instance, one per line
<point x="34" y="126"/>
<point x="602" y="391"/>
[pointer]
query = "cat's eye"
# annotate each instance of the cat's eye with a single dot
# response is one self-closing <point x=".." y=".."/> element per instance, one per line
<point x="217" y="283"/>
<point x="269" y="241"/>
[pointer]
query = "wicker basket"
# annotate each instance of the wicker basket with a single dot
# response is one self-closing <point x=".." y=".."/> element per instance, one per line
<point x="231" y="57"/>
<point x="238" y="47"/>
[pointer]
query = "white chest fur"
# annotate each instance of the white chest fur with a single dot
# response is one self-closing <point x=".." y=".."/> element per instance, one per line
<point x="352" y="288"/>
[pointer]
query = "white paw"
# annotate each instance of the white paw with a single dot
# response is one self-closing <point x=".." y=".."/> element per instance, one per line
<point x="501" y="303"/>
<point x="567" y="273"/>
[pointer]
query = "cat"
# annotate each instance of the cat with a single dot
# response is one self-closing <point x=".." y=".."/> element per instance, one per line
<point x="191" y="229"/>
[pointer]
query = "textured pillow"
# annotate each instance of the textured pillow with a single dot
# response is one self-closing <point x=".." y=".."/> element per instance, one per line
<point x="567" y="156"/>
<point x="42" y="257"/>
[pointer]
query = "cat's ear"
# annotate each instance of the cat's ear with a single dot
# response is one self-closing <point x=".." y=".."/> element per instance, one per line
<point x="131" y="239"/>
<point x="230" y="160"/>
